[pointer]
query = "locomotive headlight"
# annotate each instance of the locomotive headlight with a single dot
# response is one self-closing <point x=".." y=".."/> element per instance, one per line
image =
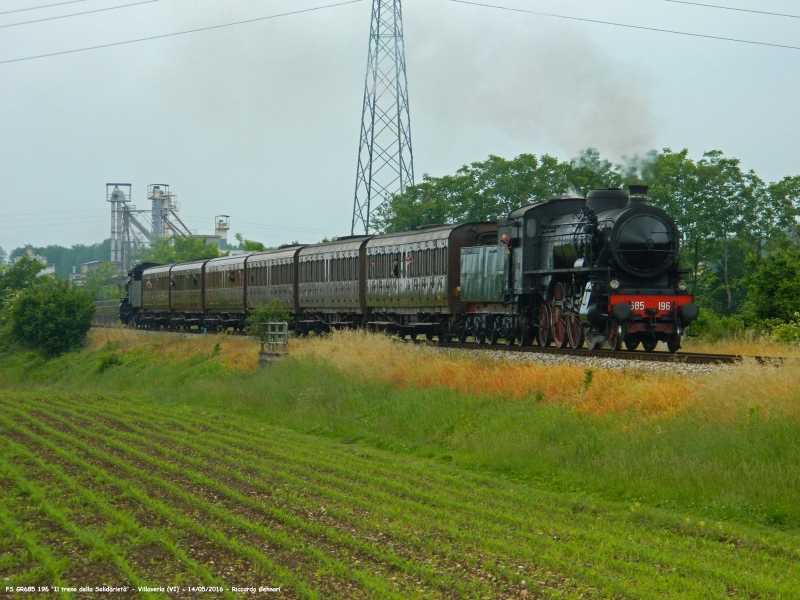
<point x="614" y="284"/>
<point x="682" y="285"/>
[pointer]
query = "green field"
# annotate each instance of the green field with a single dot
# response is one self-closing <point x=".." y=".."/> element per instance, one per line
<point x="198" y="475"/>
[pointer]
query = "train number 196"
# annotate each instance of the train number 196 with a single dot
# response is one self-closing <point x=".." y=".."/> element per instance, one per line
<point x="665" y="306"/>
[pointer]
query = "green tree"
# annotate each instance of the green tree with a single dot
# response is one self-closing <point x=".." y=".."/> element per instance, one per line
<point x="785" y="198"/>
<point x="773" y="287"/>
<point x="179" y="249"/>
<point x="65" y="258"/>
<point x="18" y="276"/>
<point x="3" y="256"/>
<point x="727" y="199"/>
<point x="249" y="245"/>
<point x="484" y="191"/>
<point x="51" y="315"/>
<point x="104" y="282"/>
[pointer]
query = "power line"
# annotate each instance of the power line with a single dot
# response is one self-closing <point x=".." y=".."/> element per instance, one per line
<point x="86" y="12"/>
<point x="8" y="12"/>
<point x="166" y="35"/>
<point x="746" y="10"/>
<point x="625" y="25"/>
<point x="53" y="212"/>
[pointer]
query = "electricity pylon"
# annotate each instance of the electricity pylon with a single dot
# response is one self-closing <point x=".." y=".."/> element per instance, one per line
<point x="385" y="159"/>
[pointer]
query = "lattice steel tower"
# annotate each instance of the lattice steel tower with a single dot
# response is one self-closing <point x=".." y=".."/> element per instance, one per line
<point x="385" y="159"/>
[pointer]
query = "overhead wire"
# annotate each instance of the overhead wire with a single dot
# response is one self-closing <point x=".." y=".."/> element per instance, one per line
<point x="625" y="25"/>
<point x="16" y="10"/>
<point x="86" y="12"/>
<point x="732" y="8"/>
<point x="177" y="33"/>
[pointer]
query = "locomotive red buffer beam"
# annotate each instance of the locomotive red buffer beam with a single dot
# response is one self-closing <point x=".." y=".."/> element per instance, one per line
<point x="660" y="309"/>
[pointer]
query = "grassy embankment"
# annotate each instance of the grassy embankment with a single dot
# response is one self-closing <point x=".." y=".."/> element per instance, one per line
<point x="159" y="453"/>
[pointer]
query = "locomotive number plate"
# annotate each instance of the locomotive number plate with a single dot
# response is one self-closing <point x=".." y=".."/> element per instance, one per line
<point x="640" y="304"/>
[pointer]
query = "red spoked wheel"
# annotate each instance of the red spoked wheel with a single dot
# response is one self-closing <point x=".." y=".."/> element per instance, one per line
<point x="574" y="332"/>
<point x="545" y="335"/>
<point x="559" y="319"/>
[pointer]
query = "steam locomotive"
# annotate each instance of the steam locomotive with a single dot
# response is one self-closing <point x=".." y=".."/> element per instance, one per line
<point x="568" y="271"/>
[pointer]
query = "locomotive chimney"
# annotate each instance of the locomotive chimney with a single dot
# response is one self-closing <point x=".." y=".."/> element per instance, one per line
<point x="638" y="195"/>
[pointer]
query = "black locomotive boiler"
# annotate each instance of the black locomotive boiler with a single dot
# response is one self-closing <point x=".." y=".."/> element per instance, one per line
<point x="568" y="271"/>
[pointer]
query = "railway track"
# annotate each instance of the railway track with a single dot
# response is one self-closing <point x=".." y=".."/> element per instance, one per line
<point x="690" y="358"/>
<point x="695" y="358"/>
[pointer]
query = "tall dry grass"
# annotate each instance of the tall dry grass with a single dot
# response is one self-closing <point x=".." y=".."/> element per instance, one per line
<point x="234" y="352"/>
<point x="725" y="394"/>
<point x="599" y="391"/>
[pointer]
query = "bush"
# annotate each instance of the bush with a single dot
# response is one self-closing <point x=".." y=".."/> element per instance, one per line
<point x="265" y="312"/>
<point x="788" y="332"/>
<point x="712" y="327"/>
<point x="773" y="289"/>
<point x="50" y="315"/>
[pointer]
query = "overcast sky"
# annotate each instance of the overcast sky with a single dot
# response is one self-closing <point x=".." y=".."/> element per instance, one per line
<point x="261" y="121"/>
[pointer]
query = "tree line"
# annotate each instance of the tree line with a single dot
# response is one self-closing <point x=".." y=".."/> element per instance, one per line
<point x="743" y="229"/>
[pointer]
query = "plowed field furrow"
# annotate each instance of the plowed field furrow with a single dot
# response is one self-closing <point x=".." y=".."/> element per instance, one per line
<point x="426" y="501"/>
<point x="217" y="498"/>
<point x="495" y="547"/>
<point x="151" y="479"/>
<point x="35" y="563"/>
<point x="308" y="528"/>
<point x="94" y="539"/>
<point x="338" y="516"/>
<point x="103" y="504"/>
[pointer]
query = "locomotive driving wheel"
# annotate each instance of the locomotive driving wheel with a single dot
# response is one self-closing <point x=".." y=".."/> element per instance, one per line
<point x="493" y="337"/>
<point x="524" y="334"/>
<point x="616" y="334"/>
<point x="545" y="335"/>
<point x="558" y="318"/>
<point x="574" y="331"/>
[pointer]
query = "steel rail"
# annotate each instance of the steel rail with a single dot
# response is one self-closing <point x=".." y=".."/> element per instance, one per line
<point x="691" y="358"/>
<point x="696" y="358"/>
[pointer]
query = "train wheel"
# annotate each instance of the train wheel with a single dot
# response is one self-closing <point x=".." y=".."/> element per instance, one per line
<point x="524" y="335"/>
<point x="462" y="335"/>
<point x="574" y="332"/>
<point x="559" y="320"/>
<point x="429" y="336"/>
<point x="632" y="344"/>
<point x="494" y="337"/>
<point x="480" y="336"/>
<point x="510" y="339"/>
<point x="649" y="345"/>
<point x="616" y="333"/>
<point x="413" y="336"/>
<point x="674" y="342"/>
<point x="545" y="335"/>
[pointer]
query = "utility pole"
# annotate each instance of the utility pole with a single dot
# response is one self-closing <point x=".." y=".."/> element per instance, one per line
<point x="385" y="159"/>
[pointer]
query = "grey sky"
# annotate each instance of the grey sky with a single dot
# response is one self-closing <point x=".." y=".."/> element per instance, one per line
<point x="261" y="121"/>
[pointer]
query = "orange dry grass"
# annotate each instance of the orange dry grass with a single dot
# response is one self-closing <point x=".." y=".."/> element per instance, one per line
<point x="385" y="359"/>
<point x="744" y="347"/>
<point x="236" y="353"/>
